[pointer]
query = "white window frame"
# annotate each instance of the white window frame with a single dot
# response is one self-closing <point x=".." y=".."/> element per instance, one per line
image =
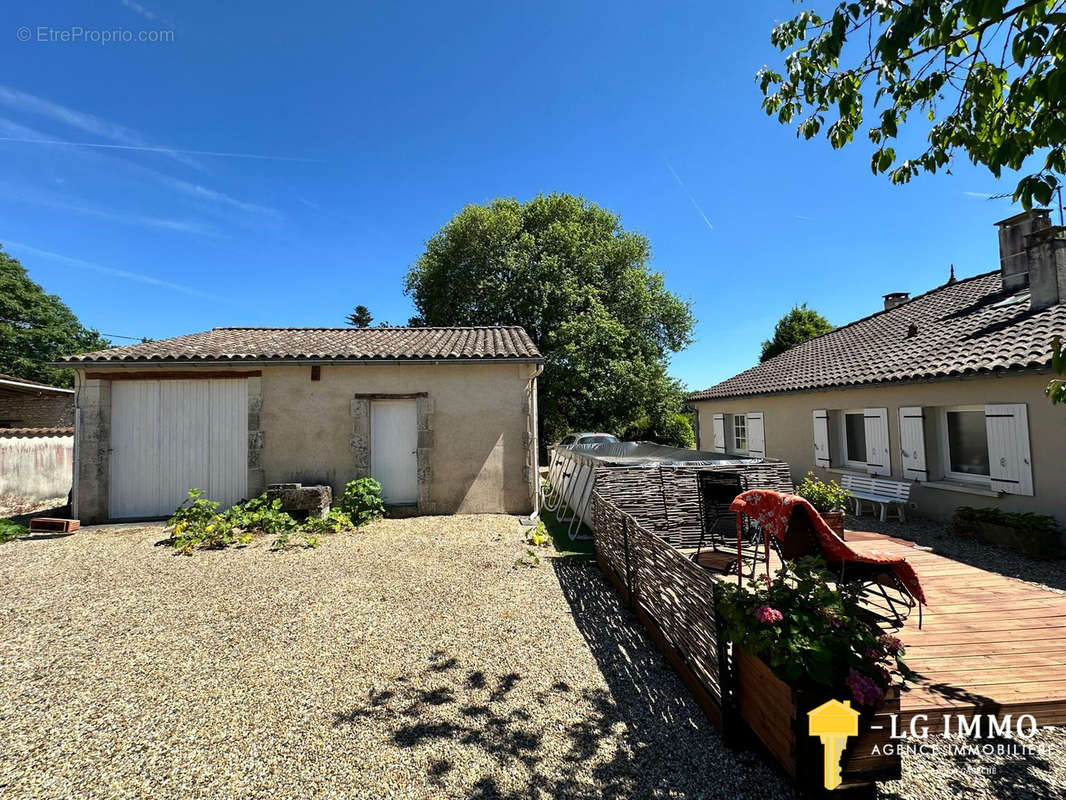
<point x="844" y="460"/>
<point x="945" y="449"/>
<point x="732" y="442"/>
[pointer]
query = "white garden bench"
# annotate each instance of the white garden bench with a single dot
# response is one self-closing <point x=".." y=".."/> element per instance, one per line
<point x="878" y="492"/>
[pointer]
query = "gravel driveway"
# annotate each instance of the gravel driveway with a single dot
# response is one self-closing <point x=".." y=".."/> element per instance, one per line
<point x="410" y="659"/>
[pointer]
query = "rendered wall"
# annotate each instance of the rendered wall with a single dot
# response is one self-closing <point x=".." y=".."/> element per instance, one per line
<point x="790" y="434"/>
<point x="476" y="438"/>
<point x="36" y="467"/>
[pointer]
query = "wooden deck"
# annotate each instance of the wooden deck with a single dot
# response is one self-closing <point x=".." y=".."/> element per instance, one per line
<point x="989" y="644"/>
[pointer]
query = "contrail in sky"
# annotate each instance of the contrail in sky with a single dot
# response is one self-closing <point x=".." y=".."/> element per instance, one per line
<point x="145" y="149"/>
<point x="692" y="199"/>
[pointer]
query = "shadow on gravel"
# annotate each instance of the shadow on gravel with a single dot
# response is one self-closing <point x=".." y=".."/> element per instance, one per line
<point x="642" y="737"/>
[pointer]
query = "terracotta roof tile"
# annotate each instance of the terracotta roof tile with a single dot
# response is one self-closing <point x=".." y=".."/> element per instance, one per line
<point x="968" y="327"/>
<point x="27" y="433"/>
<point x="326" y="344"/>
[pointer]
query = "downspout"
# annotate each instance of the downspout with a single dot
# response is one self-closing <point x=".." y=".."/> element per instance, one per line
<point x="534" y="454"/>
<point x="696" y="425"/>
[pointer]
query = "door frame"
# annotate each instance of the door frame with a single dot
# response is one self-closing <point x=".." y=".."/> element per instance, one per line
<point x="424" y="416"/>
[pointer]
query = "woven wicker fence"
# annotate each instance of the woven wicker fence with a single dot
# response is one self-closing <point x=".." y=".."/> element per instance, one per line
<point x="671" y="595"/>
<point x="664" y="499"/>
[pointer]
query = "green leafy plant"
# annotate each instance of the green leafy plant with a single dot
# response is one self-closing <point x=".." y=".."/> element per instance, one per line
<point x="1056" y="388"/>
<point x="10" y="530"/>
<point x="530" y="559"/>
<point x="334" y="522"/>
<point x="362" y="501"/>
<point x="539" y="536"/>
<point x="1035" y="535"/>
<point x="824" y="496"/>
<point x="197" y="525"/>
<point x="811" y="633"/>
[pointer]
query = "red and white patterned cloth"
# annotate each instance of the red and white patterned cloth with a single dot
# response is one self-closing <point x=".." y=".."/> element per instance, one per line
<point x="773" y="511"/>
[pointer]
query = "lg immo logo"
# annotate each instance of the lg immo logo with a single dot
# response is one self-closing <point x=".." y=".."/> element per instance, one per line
<point x="834" y="722"/>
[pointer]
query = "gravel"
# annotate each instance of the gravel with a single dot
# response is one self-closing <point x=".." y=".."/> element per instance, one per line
<point x="410" y="659"/>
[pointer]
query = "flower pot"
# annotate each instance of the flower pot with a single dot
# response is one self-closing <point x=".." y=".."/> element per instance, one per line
<point x="777" y="714"/>
<point x="835" y="520"/>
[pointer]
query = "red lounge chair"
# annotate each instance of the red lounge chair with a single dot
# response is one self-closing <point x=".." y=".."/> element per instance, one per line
<point x="794" y="529"/>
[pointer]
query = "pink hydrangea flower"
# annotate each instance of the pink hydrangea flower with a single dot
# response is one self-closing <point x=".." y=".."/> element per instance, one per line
<point x="863" y="689"/>
<point x="769" y="615"/>
<point x="891" y="644"/>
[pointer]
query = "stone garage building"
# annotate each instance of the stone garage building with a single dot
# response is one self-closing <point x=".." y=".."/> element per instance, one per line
<point x="445" y="418"/>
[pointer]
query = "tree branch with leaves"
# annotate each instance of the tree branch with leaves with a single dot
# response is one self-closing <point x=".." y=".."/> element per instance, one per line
<point x="988" y="76"/>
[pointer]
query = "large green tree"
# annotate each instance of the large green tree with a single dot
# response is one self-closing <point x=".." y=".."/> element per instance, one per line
<point x="579" y="283"/>
<point x="799" y="325"/>
<point x="984" y="77"/>
<point x="36" y="328"/>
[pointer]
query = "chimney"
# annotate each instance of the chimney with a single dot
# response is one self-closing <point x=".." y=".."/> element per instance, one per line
<point x="893" y="299"/>
<point x="1046" y="251"/>
<point x="1013" y="258"/>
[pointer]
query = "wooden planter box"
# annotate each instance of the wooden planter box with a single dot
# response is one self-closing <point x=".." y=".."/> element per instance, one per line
<point x="835" y="520"/>
<point x="777" y="715"/>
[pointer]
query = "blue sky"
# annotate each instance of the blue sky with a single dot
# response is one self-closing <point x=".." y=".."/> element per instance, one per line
<point x="373" y="124"/>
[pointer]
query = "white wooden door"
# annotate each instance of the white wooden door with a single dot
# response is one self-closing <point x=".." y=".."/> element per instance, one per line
<point x="170" y="436"/>
<point x="393" y="450"/>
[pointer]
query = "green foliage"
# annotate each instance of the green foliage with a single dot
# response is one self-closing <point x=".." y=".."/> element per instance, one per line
<point x="566" y="271"/>
<point x="530" y="559"/>
<point x="809" y="632"/>
<point x="539" y="536"/>
<point x="197" y="525"/>
<point x="1035" y="535"/>
<point x="823" y="496"/>
<point x="799" y="325"/>
<point x="362" y="501"/>
<point x="334" y="522"/>
<point x="360" y="317"/>
<point x="1056" y="388"/>
<point x="987" y="77"/>
<point x="673" y="429"/>
<point x="36" y="328"/>
<point x="10" y="530"/>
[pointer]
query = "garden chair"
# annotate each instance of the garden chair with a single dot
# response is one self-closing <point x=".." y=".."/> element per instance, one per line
<point x="794" y="529"/>
<point x="717" y="489"/>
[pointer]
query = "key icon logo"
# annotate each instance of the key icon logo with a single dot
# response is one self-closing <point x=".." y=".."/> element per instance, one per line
<point x="833" y="722"/>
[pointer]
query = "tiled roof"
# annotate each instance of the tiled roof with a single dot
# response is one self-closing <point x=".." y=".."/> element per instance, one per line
<point x="327" y="344"/>
<point x="28" y="433"/>
<point x="968" y="327"/>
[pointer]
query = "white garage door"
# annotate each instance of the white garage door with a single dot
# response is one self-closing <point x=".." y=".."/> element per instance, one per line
<point x="169" y="436"/>
<point x="393" y="450"/>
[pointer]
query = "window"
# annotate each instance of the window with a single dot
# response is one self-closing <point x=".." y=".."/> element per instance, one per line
<point x="855" y="438"/>
<point x="967" y="443"/>
<point x="740" y="433"/>
<point x="598" y="438"/>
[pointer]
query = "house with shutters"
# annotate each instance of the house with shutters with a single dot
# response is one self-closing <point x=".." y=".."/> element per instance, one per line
<point x="945" y="389"/>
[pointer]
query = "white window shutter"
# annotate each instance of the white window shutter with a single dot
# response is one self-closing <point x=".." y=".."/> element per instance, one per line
<point x="1009" y="459"/>
<point x="822" y="456"/>
<point x="756" y="435"/>
<point x="878" y="461"/>
<point x="912" y="443"/>
<point x="718" y="432"/>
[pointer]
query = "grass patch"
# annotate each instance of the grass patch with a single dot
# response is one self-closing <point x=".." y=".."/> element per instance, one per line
<point x="561" y="541"/>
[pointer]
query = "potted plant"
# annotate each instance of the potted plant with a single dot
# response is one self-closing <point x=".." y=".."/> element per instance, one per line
<point x="798" y="641"/>
<point x="828" y="499"/>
